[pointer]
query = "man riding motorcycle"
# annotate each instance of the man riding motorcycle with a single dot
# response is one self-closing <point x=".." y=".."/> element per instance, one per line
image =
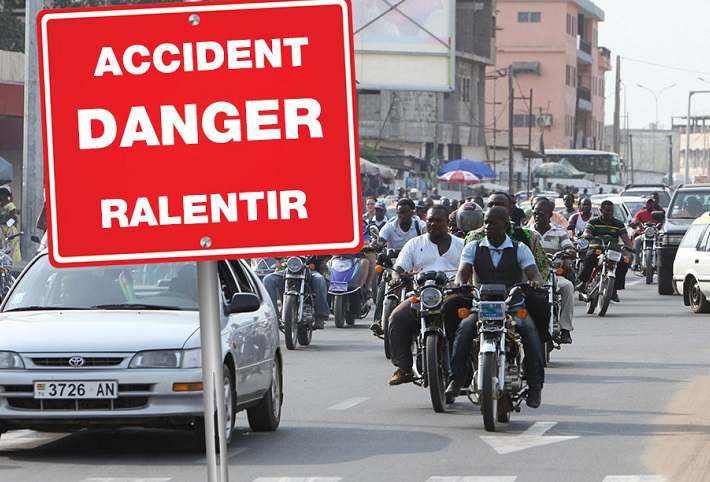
<point x="642" y="217"/>
<point x="395" y="234"/>
<point x="436" y="250"/>
<point x="579" y="220"/>
<point x="554" y="238"/>
<point x="497" y="259"/>
<point x="275" y="282"/>
<point x="608" y="229"/>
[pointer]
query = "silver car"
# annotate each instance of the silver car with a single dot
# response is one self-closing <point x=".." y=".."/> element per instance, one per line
<point x="119" y="346"/>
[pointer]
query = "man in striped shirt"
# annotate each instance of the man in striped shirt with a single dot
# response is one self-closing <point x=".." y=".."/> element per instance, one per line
<point x="554" y="238"/>
<point x="608" y="229"/>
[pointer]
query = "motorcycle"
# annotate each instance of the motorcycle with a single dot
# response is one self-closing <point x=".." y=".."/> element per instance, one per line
<point x="497" y="382"/>
<point x="555" y="301"/>
<point x="394" y="294"/>
<point x="600" y="288"/>
<point x="298" y="313"/>
<point x="430" y="347"/>
<point x="348" y="297"/>
<point x="647" y="265"/>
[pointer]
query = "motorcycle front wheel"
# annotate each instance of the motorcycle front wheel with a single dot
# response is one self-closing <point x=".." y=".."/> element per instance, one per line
<point x="339" y="311"/>
<point x="648" y="266"/>
<point x="489" y="395"/>
<point x="290" y="319"/>
<point x="436" y="371"/>
<point x="605" y="292"/>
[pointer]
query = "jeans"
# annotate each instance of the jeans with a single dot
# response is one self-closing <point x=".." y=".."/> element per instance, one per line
<point x="275" y="281"/>
<point x="590" y="261"/>
<point x="533" y="361"/>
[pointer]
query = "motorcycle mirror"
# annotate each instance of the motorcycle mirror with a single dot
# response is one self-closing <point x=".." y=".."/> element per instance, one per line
<point x="373" y="230"/>
<point x="658" y="216"/>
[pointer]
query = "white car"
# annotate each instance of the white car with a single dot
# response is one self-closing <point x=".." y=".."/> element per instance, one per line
<point x="691" y="268"/>
<point x="117" y="346"/>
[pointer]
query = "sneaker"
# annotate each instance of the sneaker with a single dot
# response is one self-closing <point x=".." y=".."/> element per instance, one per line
<point x="534" y="398"/>
<point x="319" y="324"/>
<point x="565" y="337"/>
<point x="377" y="329"/>
<point x="402" y="376"/>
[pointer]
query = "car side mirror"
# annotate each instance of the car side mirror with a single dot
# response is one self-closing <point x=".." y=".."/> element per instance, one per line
<point x="244" y="303"/>
<point x="658" y="216"/>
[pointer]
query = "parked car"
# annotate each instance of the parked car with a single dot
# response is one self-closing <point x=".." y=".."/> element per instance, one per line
<point x="691" y="268"/>
<point x="643" y="190"/>
<point x="688" y="203"/>
<point x="117" y="346"/>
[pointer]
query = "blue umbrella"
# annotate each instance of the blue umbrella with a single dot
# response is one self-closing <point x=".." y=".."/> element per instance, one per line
<point x="475" y="167"/>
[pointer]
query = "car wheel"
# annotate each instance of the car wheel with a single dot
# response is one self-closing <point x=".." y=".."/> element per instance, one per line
<point x="665" y="282"/>
<point x="229" y="414"/>
<point x="698" y="302"/>
<point x="266" y="416"/>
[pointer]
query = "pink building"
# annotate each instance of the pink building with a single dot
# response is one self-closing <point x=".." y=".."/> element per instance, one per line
<point x="552" y="48"/>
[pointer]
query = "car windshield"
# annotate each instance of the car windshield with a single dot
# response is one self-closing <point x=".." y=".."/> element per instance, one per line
<point x="171" y="286"/>
<point x="635" y="206"/>
<point x="664" y="198"/>
<point x="689" y="204"/>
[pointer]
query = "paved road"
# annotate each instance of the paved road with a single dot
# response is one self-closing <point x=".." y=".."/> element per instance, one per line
<point x="625" y="402"/>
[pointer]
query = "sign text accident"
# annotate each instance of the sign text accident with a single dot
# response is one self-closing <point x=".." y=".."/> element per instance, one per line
<point x="168" y="126"/>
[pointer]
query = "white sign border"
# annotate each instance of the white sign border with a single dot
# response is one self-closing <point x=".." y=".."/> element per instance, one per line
<point x="205" y="252"/>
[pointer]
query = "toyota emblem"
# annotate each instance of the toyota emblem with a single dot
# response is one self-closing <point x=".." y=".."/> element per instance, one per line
<point x="76" y="361"/>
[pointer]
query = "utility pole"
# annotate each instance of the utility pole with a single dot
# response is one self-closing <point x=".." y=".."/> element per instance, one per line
<point x="631" y="157"/>
<point x="511" y="111"/>
<point x="617" y="106"/>
<point x="670" y="160"/>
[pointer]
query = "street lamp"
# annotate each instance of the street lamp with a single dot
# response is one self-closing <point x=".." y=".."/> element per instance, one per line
<point x="687" y="132"/>
<point x="656" y="96"/>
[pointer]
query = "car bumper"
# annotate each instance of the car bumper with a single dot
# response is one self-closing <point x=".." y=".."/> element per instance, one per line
<point x="145" y="398"/>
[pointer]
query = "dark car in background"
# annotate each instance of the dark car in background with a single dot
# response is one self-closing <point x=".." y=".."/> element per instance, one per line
<point x="644" y="190"/>
<point x="688" y="203"/>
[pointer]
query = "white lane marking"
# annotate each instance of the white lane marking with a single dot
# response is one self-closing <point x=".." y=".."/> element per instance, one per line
<point x="348" y="403"/>
<point x="298" y="479"/>
<point x="634" y="478"/>
<point x="128" y="479"/>
<point x="475" y="478"/>
<point x="532" y="437"/>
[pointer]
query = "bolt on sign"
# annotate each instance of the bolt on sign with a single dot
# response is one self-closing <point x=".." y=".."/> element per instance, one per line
<point x="199" y="131"/>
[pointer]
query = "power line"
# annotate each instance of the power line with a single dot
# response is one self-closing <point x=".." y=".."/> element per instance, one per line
<point x="666" y="66"/>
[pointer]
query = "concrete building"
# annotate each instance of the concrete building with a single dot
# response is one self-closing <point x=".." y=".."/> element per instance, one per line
<point x="552" y="48"/>
<point x="648" y="154"/>
<point x="418" y="131"/>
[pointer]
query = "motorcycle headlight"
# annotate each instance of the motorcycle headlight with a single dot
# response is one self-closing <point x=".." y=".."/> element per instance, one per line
<point x="583" y="244"/>
<point x="649" y="232"/>
<point x="341" y="265"/>
<point x="294" y="264"/>
<point x="10" y="360"/>
<point x="156" y="359"/>
<point x="431" y="297"/>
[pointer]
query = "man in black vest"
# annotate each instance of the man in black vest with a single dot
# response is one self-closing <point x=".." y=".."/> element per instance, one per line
<point x="497" y="259"/>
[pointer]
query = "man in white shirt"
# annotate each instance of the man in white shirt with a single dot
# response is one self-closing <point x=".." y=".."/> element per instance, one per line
<point x="437" y="251"/>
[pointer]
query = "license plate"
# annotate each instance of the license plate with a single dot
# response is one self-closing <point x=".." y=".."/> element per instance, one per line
<point x="491" y="311"/>
<point x="338" y="286"/>
<point x="72" y="390"/>
<point x="614" y="255"/>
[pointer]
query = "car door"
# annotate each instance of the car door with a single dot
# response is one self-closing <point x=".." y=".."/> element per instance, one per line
<point x="701" y="262"/>
<point x="253" y="348"/>
<point x="687" y="254"/>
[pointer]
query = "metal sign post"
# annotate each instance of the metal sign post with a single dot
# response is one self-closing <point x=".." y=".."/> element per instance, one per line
<point x="212" y="371"/>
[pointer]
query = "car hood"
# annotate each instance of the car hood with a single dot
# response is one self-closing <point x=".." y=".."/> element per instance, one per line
<point x="96" y="331"/>
<point x="677" y="225"/>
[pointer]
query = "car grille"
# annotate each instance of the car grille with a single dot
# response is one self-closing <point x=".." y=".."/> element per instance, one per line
<point x="88" y="361"/>
<point x="129" y="396"/>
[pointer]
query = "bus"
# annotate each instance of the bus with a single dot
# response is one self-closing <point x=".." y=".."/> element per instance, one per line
<point x="603" y="168"/>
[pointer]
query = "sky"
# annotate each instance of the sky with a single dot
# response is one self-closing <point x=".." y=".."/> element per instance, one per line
<point x="661" y="43"/>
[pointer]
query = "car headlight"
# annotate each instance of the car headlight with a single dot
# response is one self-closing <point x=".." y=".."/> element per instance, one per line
<point x="294" y="264"/>
<point x="431" y="297"/>
<point x="156" y="359"/>
<point x="10" y="360"/>
<point x="192" y="358"/>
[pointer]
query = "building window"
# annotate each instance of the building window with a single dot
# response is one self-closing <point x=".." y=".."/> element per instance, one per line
<point x="454" y="151"/>
<point x="464" y="89"/>
<point x="525" y="17"/>
<point x="567" y="74"/>
<point x="524" y="120"/>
